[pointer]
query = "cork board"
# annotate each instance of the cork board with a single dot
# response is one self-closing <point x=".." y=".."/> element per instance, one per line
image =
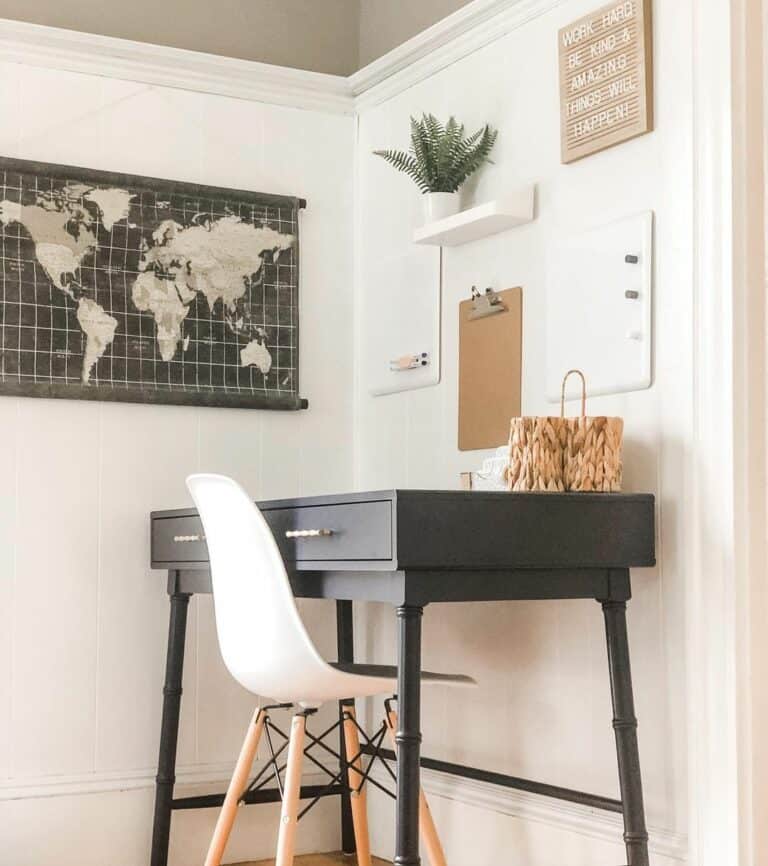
<point x="606" y="78"/>
<point x="490" y="368"/>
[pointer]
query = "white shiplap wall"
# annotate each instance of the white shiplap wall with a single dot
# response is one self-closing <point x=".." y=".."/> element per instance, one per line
<point x="79" y="694"/>
<point x="82" y="619"/>
<point x="543" y="707"/>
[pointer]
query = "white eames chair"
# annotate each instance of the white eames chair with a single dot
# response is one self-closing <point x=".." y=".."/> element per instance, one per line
<point x="267" y="650"/>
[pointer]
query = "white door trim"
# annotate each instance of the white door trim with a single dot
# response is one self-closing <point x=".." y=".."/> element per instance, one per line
<point x="750" y="381"/>
<point x="726" y="488"/>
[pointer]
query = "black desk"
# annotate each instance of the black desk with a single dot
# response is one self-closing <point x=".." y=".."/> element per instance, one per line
<point x="412" y="548"/>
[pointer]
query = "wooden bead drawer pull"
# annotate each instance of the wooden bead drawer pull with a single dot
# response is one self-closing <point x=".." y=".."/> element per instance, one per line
<point x="308" y="533"/>
<point x="185" y="539"/>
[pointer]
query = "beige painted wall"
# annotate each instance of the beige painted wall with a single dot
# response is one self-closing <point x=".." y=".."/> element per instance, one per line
<point x="321" y="35"/>
<point x="385" y="24"/>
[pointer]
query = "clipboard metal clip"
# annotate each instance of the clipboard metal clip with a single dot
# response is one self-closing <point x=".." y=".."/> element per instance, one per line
<point x="486" y="304"/>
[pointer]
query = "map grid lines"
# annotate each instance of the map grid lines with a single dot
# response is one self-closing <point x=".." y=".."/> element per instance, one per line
<point x="182" y="294"/>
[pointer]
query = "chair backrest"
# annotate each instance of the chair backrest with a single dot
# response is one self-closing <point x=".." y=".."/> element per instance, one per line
<point x="262" y="638"/>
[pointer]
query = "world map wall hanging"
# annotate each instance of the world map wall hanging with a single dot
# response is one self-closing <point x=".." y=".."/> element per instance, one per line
<point x="117" y="287"/>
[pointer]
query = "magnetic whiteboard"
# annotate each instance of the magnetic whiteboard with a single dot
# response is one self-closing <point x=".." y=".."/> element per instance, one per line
<point x="401" y="316"/>
<point x="599" y="308"/>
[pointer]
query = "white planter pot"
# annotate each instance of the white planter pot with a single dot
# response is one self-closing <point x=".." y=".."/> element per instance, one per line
<point x="439" y="205"/>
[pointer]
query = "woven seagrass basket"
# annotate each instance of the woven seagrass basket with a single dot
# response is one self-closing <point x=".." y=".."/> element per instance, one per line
<point x="559" y="454"/>
<point x="536" y="448"/>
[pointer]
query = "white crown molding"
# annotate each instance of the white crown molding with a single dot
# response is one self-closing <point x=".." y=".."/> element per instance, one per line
<point x="470" y="28"/>
<point x="571" y="817"/>
<point x="122" y="780"/>
<point x="465" y="31"/>
<point x="53" y="47"/>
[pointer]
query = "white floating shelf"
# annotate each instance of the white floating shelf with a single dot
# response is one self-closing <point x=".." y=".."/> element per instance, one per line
<point x="479" y="222"/>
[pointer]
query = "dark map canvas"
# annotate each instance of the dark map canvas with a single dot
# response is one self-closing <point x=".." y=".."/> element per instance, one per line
<point x="127" y="288"/>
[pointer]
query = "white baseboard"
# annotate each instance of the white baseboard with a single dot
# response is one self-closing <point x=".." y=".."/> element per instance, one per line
<point x="123" y="780"/>
<point x="571" y="817"/>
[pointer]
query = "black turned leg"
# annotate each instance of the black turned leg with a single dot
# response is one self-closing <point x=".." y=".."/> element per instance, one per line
<point x="625" y="727"/>
<point x="169" y="729"/>
<point x="408" y="735"/>
<point x="346" y="653"/>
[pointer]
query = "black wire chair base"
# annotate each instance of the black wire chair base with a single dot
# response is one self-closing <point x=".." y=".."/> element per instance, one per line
<point x="277" y="743"/>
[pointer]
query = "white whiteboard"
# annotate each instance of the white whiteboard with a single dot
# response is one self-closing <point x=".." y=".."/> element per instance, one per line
<point x="591" y="323"/>
<point x="401" y="316"/>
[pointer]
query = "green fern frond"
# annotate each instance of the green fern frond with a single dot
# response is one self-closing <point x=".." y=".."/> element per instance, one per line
<point x="441" y="158"/>
<point x="407" y="163"/>
<point x="447" y="152"/>
<point x="434" y="129"/>
<point x="422" y="150"/>
<point x="474" y="156"/>
<point x="468" y="143"/>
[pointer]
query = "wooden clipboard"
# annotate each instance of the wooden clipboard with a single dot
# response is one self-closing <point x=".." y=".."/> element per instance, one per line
<point x="490" y="371"/>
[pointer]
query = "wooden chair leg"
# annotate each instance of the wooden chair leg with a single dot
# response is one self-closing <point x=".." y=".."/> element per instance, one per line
<point x="358" y="800"/>
<point x="286" y="839"/>
<point x="427" y="830"/>
<point x="236" y="787"/>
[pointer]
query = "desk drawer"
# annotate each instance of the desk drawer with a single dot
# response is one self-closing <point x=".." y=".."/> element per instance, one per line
<point x="351" y="531"/>
<point x="178" y="539"/>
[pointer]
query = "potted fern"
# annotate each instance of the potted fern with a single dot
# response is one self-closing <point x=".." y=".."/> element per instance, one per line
<point x="440" y="159"/>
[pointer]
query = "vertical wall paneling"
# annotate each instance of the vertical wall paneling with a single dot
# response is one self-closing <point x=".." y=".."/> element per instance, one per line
<point x="9" y="424"/>
<point x="541" y="666"/>
<point x="56" y="588"/>
<point x="83" y="620"/>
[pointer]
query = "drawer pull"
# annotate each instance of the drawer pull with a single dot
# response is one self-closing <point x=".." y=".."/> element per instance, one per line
<point x="184" y="539"/>
<point x="308" y="533"/>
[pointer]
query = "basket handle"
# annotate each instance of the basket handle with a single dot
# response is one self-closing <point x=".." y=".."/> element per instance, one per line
<point x="583" y="393"/>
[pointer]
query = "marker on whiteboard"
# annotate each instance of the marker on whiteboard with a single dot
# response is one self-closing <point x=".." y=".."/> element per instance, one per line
<point x="409" y="362"/>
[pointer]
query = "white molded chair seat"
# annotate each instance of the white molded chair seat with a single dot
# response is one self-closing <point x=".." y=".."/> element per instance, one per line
<point x="267" y="650"/>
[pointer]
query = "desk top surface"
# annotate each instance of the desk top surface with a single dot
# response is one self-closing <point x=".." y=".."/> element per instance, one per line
<point x="432" y="498"/>
<point x="437" y="544"/>
<point x="438" y="529"/>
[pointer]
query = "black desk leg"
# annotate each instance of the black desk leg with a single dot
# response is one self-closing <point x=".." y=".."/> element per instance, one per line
<point x="169" y="729"/>
<point x="408" y="735"/>
<point x="625" y="727"/>
<point x="346" y="653"/>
